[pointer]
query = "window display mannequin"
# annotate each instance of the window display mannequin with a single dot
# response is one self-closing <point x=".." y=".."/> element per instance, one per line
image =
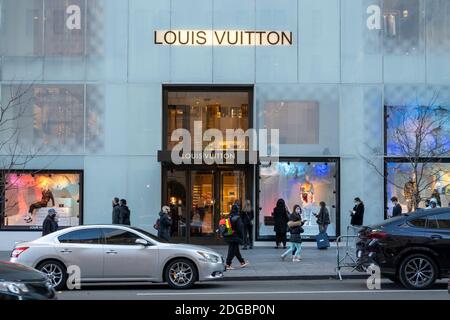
<point x="409" y="191"/>
<point x="47" y="195"/>
<point x="307" y="191"/>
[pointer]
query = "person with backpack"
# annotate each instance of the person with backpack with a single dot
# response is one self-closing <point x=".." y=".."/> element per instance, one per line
<point x="164" y="223"/>
<point x="280" y="216"/>
<point x="295" y="224"/>
<point x="232" y="231"/>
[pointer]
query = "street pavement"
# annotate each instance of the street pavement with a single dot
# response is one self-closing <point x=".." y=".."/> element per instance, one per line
<point x="266" y="264"/>
<point x="347" y="289"/>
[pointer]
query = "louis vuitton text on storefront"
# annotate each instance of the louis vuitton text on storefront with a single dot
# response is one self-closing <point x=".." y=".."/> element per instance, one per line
<point x="223" y="38"/>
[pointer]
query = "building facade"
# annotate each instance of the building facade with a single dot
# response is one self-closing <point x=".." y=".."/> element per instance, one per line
<point x="104" y="84"/>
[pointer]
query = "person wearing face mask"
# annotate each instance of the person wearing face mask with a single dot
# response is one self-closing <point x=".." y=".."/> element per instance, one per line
<point x="50" y="223"/>
<point x="357" y="214"/>
<point x="295" y="228"/>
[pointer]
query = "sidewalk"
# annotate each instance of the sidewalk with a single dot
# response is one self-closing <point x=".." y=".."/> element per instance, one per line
<point x="266" y="264"/>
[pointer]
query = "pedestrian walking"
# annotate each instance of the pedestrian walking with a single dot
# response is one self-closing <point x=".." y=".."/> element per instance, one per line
<point x="235" y="238"/>
<point x="397" y="208"/>
<point x="50" y="223"/>
<point x="124" y="213"/>
<point x="295" y="224"/>
<point x="165" y="222"/>
<point x="115" y="211"/>
<point x="280" y="215"/>
<point x="247" y="220"/>
<point x="323" y="217"/>
<point x="357" y="214"/>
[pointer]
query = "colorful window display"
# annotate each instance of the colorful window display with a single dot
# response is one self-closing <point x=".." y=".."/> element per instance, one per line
<point x="302" y="183"/>
<point x="406" y="125"/>
<point x="433" y="181"/>
<point x="28" y="196"/>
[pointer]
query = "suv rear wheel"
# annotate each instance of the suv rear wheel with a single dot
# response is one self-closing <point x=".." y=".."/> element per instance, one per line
<point x="418" y="271"/>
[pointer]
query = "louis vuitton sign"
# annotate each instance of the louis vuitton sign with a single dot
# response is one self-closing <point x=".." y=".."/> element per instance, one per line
<point x="223" y="38"/>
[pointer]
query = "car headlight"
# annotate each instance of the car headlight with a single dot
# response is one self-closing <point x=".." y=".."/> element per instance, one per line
<point x="208" y="257"/>
<point x="13" y="287"/>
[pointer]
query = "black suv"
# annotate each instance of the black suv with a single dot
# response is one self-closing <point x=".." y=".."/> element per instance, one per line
<point x="18" y="282"/>
<point x="412" y="249"/>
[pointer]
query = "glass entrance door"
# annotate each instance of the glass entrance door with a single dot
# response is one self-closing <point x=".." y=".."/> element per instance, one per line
<point x="232" y="188"/>
<point x="202" y="206"/>
<point x="199" y="198"/>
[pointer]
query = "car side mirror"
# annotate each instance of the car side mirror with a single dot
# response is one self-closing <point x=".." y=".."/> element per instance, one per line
<point x="142" y="242"/>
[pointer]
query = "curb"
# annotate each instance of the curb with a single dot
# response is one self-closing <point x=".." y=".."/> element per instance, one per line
<point x="302" y="277"/>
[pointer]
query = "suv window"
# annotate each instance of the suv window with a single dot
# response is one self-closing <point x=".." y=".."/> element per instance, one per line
<point x="88" y="236"/>
<point x="120" y="237"/>
<point x="443" y="220"/>
<point x="419" y="223"/>
<point x="432" y="223"/>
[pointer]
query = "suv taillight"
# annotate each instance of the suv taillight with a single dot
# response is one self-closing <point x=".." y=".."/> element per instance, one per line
<point x="377" y="234"/>
<point x="18" y="251"/>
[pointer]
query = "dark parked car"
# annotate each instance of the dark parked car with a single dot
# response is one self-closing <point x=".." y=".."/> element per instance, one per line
<point x="18" y="282"/>
<point x="413" y="249"/>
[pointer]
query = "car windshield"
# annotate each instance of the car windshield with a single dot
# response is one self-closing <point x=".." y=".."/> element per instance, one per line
<point x="149" y="235"/>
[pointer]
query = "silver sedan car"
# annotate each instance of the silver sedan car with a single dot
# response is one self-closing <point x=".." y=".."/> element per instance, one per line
<point x="113" y="253"/>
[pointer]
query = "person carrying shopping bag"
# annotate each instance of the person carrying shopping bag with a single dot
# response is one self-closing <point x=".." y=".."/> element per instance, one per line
<point x="295" y="228"/>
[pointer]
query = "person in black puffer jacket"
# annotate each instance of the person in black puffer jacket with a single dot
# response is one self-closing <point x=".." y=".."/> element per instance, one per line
<point x="280" y="216"/>
<point x="295" y="228"/>
<point x="235" y="239"/>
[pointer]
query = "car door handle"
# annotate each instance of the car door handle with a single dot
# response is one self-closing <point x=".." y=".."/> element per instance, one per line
<point x="65" y="251"/>
<point x="111" y="252"/>
<point x="436" y="237"/>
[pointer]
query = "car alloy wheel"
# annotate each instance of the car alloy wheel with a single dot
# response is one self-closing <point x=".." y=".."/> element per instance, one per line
<point x="181" y="274"/>
<point x="418" y="272"/>
<point x="55" y="273"/>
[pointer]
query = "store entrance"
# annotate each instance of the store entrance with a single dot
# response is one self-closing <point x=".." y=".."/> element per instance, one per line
<point x="199" y="197"/>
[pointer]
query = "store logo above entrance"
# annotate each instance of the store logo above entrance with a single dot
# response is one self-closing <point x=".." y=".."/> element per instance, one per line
<point x="223" y="38"/>
<point x="211" y="146"/>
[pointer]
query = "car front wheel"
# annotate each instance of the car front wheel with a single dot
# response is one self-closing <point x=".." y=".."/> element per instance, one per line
<point x="181" y="274"/>
<point x="418" y="271"/>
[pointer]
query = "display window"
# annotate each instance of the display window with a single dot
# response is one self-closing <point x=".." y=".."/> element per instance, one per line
<point x="433" y="182"/>
<point x="408" y="124"/>
<point x="29" y="195"/>
<point x="306" y="183"/>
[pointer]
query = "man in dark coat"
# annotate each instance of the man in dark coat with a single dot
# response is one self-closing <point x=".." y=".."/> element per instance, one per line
<point x="235" y="239"/>
<point x="124" y="213"/>
<point x="397" y="209"/>
<point x="165" y="221"/>
<point x="50" y="223"/>
<point x="115" y="211"/>
<point x="280" y="215"/>
<point x="357" y="213"/>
